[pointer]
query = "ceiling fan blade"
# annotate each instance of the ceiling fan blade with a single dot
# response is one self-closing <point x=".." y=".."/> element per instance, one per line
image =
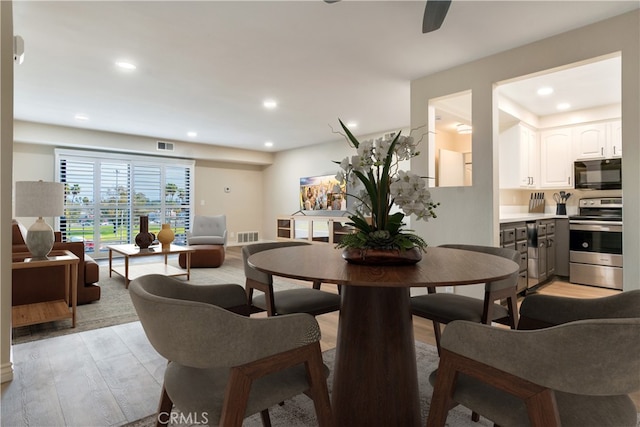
<point x="331" y="1"/>
<point x="434" y="13"/>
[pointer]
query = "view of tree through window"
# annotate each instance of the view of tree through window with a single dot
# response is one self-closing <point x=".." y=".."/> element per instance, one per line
<point x="106" y="194"/>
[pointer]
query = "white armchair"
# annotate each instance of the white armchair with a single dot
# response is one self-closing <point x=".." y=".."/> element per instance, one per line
<point x="208" y="230"/>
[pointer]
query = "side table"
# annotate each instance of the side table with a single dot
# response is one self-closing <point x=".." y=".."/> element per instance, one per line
<point x="48" y="311"/>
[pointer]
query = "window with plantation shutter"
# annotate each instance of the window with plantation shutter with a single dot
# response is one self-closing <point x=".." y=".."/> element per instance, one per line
<point x="106" y="193"/>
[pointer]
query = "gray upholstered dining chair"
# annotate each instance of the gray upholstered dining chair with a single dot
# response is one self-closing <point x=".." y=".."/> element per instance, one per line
<point x="577" y="372"/>
<point x="300" y="300"/>
<point x="442" y="308"/>
<point x="224" y="365"/>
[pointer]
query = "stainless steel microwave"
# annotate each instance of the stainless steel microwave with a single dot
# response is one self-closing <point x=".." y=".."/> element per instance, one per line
<point x="604" y="174"/>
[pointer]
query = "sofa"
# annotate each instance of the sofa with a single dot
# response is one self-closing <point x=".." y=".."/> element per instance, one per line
<point x="38" y="285"/>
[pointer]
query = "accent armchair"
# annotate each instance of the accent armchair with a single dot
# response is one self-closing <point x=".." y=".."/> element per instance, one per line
<point x="302" y="300"/>
<point x="208" y="236"/>
<point x="225" y="365"/>
<point x="208" y="230"/>
<point x="577" y="373"/>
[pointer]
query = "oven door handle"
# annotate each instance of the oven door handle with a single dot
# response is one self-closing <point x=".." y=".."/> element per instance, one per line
<point x="595" y="226"/>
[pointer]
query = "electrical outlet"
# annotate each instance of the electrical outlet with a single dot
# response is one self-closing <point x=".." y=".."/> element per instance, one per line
<point x="448" y="289"/>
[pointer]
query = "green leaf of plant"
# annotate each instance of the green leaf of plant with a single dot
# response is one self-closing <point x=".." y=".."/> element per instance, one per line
<point x="352" y="138"/>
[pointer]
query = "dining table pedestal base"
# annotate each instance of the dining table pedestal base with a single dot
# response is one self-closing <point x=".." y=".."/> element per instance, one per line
<point x="375" y="377"/>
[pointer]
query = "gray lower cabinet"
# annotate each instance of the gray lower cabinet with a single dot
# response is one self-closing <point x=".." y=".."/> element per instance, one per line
<point x="514" y="236"/>
<point x="551" y="247"/>
<point x="562" y="247"/>
<point x="541" y="242"/>
<point x="537" y="248"/>
<point x="543" y="246"/>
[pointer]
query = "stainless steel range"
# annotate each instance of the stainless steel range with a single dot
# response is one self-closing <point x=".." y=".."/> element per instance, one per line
<point x="595" y="243"/>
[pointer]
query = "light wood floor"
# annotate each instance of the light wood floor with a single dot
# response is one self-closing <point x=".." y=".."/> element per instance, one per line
<point x="112" y="376"/>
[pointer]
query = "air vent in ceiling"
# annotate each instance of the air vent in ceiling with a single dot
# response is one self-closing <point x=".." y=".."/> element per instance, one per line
<point x="165" y="146"/>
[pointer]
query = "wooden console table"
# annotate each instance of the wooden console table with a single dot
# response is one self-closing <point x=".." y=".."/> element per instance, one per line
<point x="313" y="228"/>
<point x="48" y="311"/>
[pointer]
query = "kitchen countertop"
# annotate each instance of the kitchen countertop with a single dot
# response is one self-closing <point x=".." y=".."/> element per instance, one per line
<point x="506" y="218"/>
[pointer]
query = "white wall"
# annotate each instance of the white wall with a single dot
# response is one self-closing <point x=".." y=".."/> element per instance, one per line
<point x="242" y="205"/>
<point x="62" y="136"/>
<point x="6" y="143"/>
<point x="470" y="214"/>
<point x="282" y="178"/>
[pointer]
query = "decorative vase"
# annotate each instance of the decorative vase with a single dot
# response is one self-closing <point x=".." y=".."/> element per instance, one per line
<point x="144" y="238"/>
<point x="166" y="236"/>
<point x="382" y="256"/>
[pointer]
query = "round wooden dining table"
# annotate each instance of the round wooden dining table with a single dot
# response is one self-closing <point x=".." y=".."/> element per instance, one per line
<point x="375" y="375"/>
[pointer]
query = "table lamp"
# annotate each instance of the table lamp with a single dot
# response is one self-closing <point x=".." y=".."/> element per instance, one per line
<point x="39" y="199"/>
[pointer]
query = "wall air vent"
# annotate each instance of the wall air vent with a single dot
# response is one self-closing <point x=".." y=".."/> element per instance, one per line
<point x="165" y="146"/>
<point x="247" y="236"/>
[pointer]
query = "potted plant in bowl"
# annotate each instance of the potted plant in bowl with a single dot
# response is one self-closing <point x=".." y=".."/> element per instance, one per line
<point x="379" y="236"/>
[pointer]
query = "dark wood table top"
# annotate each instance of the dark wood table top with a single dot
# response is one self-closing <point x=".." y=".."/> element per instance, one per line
<point x="438" y="267"/>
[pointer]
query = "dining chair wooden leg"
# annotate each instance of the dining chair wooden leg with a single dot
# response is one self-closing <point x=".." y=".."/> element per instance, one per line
<point x="543" y="409"/>
<point x="318" y="387"/>
<point x="266" y="420"/>
<point x="241" y="378"/>
<point x="164" y="409"/>
<point x="512" y="305"/>
<point x="443" y="389"/>
<point x="437" y="333"/>
<point x="235" y="399"/>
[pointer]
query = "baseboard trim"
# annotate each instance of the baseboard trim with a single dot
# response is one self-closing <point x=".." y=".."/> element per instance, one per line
<point x="6" y="372"/>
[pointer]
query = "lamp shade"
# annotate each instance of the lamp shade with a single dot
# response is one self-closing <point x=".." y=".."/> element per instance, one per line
<point x="39" y="199"/>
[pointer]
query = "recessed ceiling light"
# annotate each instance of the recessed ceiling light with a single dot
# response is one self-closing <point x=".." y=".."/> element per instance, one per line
<point x="352" y="124"/>
<point x="544" y="91"/>
<point x="81" y="117"/>
<point x="270" y="104"/>
<point x="125" y="65"/>
<point x="563" y="106"/>
<point x="463" y="129"/>
<point x="268" y="144"/>
<point x="192" y="134"/>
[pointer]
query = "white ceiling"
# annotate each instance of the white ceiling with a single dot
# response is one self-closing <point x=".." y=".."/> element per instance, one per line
<point x="583" y="86"/>
<point x="207" y="66"/>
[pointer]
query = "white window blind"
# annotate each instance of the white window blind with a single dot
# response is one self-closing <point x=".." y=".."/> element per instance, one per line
<point x="106" y="193"/>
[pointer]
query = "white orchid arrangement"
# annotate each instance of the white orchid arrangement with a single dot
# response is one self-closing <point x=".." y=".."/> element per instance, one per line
<point x="376" y="166"/>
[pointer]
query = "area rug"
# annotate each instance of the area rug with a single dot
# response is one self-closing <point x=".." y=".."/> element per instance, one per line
<point x="115" y="306"/>
<point x="299" y="411"/>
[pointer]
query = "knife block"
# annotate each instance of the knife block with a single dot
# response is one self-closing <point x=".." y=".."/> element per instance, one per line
<point x="536" y="206"/>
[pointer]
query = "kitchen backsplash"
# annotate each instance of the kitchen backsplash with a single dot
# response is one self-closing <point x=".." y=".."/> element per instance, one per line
<point x="517" y="201"/>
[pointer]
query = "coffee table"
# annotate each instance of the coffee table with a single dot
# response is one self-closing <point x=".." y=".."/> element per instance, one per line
<point x="130" y="272"/>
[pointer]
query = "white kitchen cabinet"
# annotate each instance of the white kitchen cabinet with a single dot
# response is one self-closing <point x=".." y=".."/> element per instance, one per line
<point x="556" y="161"/>
<point x="614" y="141"/>
<point x="589" y="140"/>
<point x="598" y="140"/>
<point x="519" y="157"/>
